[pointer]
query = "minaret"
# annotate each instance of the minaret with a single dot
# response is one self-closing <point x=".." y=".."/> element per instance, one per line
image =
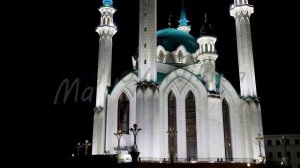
<point x="147" y="41"/>
<point x="106" y="30"/>
<point x="183" y="22"/>
<point x="242" y="11"/>
<point x="208" y="55"/>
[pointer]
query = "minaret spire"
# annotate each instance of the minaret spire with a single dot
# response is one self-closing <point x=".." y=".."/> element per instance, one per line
<point x="106" y="31"/>
<point x="169" y="23"/>
<point x="183" y="22"/>
<point x="242" y="11"/>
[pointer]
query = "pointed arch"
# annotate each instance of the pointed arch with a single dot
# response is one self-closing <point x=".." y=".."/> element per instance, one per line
<point x="191" y="133"/>
<point x="104" y="20"/>
<point x="108" y="21"/>
<point x="172" y="121"/>
<point x="123" y="113"/>
<point x="161" y="56"/>
<point x="180" y="56"/>
<point x="227" y="130"/>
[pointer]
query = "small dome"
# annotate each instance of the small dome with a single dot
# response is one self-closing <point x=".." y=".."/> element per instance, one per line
<point x="171" y="39"/>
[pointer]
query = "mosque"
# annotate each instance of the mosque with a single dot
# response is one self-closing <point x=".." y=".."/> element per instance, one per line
<point x="174" y="85"/>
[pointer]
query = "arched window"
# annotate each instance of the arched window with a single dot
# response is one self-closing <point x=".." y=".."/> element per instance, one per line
<point x="161" y="56"/>
<point x="172" y="121"/>
<point x="108" y="20"/>
<point x="180" y="56"/>
<point x="123" y="113"/>
<point x="227" y="131"/>
<point x="104" y="20"/>
<point x="191" y="133"/>
<point x="206" y="47"/>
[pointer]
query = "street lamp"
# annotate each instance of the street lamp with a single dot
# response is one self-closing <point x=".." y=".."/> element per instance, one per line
<point x="78" y="146"/>
<point x="135" y="153"/>
<point x="86" y="146"/>
<point x="119" y="135"/>
<point x="285" y="161"/>
<point x="135" y="131"/>
<point x="259" y="138"/>
<point x="172" y="133"/>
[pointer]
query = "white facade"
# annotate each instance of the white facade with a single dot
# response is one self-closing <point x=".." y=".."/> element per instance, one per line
<point x="177" y="87"/>
<point x="275" y="149"/>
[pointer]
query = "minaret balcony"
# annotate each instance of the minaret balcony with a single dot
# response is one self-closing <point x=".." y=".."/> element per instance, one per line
<point x="208" y="56"/>
<point x="241" y="10"/>
<point x="106" y="30"/>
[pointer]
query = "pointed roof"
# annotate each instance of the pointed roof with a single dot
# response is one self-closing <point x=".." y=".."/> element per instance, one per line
<point x="107" y="3"/>
<point x="206" y="29"/>
<point x="183" y="19"/>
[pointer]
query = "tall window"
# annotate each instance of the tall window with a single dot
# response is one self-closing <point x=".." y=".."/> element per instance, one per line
<point x="180" y="56"/>
<point x="161" y="56"/>
<point x="297" y="142"/>
<point x="123" y="113"/>
<point x="269" y="142"/>
<point x="191" y="135"/>
<point x="172" y="120"/>
<point x="227" y="131"/>
<point x="270" y="155"/>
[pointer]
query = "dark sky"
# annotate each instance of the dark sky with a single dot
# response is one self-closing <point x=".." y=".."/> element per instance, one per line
<point x="74" y="55"/>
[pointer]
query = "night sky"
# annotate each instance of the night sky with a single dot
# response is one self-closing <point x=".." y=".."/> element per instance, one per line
<point x="74" y="55"/>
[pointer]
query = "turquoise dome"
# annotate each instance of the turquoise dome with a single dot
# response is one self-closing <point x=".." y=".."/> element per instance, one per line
<point x="171" y="39"/>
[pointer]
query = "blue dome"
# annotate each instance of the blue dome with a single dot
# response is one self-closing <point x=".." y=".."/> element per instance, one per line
<point x="171" y="39"/>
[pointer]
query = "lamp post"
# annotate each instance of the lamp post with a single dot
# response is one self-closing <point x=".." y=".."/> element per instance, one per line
<point x="285" y="161"/>
<point x="119" y="135"/>
<point x="172" y="132"/>
<point x="78" y="146"/>
<point x="86" y="146"/>
<point x="134" y="152"/>
<point x="259" y="138"/>
<point x="135" y="131"/>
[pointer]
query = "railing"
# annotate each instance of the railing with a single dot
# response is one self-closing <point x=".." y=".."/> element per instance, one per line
<point x="198" y="160"/>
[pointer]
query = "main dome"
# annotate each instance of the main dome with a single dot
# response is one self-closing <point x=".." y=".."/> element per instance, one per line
<point x="171" y="39"/>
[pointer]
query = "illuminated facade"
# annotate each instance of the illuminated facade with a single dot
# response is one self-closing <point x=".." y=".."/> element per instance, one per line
<point x="174" y="85"/>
